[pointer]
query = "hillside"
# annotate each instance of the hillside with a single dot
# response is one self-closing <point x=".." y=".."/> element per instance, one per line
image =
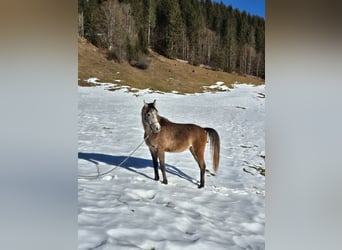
<point x="162" y="74"/>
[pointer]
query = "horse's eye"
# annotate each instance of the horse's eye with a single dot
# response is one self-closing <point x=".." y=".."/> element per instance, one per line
<point x="148" y="114"/>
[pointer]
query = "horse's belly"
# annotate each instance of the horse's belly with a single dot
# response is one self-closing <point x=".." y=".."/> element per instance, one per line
<point x="177" y="148"/>
<point x="170" y="150"/>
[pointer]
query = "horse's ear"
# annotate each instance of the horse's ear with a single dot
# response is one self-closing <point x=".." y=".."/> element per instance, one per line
<point x="154" y="102"/>
<point x="145" y="104"/>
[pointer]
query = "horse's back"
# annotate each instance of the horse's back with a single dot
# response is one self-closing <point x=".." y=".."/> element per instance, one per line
<point x="180" y="136"/>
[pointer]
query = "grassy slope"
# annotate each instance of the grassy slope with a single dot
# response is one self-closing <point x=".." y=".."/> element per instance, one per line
<point x="162" y="74"/>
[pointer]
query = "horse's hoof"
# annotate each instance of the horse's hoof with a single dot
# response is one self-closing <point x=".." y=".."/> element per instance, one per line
<point x="201" y="186"/>
<point x="156" y="178"/>
<point x="165" y="182"/>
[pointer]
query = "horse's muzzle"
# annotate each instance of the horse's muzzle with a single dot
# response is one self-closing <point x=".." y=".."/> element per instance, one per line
<point x="155" y="127"/>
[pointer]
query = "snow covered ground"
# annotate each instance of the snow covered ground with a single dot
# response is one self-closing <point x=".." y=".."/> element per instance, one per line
<point x="129" y="210"/>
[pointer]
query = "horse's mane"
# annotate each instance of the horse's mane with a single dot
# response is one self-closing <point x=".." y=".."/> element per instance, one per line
<point x="163" y="120"/>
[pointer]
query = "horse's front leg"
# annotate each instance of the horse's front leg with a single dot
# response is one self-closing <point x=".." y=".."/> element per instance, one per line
<point x="161" y="156"/>
<point x="155" y="164"/>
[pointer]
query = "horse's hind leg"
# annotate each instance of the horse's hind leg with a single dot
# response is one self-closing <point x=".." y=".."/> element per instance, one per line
<point x="198" y="154"/>
<point x="155" y="164"/>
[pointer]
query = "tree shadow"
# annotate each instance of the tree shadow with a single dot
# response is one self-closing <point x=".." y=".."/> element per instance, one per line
<point x="132" y="164"/>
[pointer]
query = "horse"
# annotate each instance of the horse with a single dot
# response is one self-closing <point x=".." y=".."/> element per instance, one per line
<point x="162" y="135"/>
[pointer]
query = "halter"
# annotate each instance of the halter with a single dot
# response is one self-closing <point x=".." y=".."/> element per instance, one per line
<point x="153" y="124"/>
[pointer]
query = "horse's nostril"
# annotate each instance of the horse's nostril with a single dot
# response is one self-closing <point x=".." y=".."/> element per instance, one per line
<point x="156" y="129"/>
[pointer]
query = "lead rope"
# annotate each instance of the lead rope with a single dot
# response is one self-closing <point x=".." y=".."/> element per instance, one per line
<point x="111" y="170"/>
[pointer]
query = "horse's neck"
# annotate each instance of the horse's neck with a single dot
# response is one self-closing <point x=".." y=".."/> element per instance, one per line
<point x="163" y="120"/>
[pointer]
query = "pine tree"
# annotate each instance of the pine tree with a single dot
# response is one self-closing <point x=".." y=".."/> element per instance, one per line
<point x="170" y="27"/>
<point x="191" y="13"/>
<point x="91" y="9"/>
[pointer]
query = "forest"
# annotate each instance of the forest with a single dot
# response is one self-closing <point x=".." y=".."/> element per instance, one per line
<point x="202" y="32"/>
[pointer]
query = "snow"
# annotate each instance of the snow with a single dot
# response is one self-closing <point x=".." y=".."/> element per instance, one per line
<point x="127" y="209"/>
<point x="93" y="80"/>
<point x="217" y="86"/>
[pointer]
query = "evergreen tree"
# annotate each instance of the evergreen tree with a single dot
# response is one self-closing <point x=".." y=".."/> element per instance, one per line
<point x="191" y="13"/>
<point x="231" y="41"/>
<point x="170" y="27"/>
<point x="208" y="10"/>
<point x="91" y="9"/>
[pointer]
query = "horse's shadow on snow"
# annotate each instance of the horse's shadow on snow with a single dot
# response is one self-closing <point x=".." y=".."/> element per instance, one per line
<point x="132" y="164"/>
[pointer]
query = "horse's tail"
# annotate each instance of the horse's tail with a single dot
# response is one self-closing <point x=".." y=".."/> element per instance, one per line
<point x="214" y="141"/>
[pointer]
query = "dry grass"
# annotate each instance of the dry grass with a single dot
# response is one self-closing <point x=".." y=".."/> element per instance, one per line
<point x="163" y="74"/>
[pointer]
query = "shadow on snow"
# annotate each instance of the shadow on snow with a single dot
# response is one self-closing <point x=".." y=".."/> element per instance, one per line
<point x="133" y="164"/>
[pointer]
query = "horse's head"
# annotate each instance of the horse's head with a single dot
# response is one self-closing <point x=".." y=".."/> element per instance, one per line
<point x="150" y="116"/>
